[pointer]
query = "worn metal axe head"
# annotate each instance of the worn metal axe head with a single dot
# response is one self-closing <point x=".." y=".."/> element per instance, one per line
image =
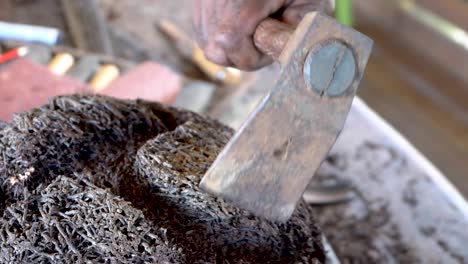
<point x="267" y="165"/>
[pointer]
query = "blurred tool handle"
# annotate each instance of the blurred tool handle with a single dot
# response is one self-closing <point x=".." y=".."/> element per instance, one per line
<point x="189" y="49"/>
<point x="104" y="77"/>
<point x="271" y="37"/>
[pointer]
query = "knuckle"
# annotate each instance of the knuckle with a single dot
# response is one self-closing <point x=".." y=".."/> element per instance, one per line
<point x="228" y="39"/>
<point x="247" y="63"/>
<point x="236" y="46"/>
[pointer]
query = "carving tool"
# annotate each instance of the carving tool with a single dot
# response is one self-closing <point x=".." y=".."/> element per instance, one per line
<point x="61" y="63"/>
<point x="267" y="165"/>
<point x="29" y="33"/>
<point x="189" y="49"/>
<point x="104" y="76"/>
<point x="13" y="54"/>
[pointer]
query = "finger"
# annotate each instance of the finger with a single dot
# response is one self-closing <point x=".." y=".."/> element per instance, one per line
<point x="211" y="18"/>
<point x="238" y="48"/>
<point x="235" y="33"/>
<point x="196" y="21"/>
<point x="205" y="24"/>
<point x="217" y="54"/>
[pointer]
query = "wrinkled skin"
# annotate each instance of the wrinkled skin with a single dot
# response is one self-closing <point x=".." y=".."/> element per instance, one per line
<point x="225" y="28"/>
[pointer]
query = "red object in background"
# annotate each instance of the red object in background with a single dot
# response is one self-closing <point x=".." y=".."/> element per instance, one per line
<point x="13" y="54"/>
<point x="149" y="81"/>
<point x="25" y="85"/>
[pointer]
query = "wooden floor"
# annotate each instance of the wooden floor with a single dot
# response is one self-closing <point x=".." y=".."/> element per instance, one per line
<point x="423" y="102"/>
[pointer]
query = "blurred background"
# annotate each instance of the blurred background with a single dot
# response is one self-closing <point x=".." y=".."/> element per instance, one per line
<point x="416" y="79"/>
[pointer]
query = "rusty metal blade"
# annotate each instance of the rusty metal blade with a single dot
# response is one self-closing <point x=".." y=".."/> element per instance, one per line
<point x="267" y="165"/>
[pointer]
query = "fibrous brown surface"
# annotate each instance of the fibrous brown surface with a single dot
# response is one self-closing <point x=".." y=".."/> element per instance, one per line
<point x="90" y="178"/>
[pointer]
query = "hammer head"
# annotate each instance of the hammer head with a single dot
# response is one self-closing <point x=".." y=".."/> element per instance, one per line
<point x="267" y="165"/>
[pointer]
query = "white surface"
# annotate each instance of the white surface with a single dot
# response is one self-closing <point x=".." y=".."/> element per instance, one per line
<point x="439" y="179"/>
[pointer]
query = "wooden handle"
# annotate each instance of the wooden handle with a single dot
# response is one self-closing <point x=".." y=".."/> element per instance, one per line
<point x="188" y="48"/>
<point x="61" y="63"/>
<point x="226" y="75"/>
<point x="104" y="76"/>
<point x="271" y="37"/>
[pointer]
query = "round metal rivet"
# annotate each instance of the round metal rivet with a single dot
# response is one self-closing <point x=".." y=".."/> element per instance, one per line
<point x="330" y="69"/>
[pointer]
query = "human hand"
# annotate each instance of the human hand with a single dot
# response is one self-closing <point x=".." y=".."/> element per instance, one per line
<point x="225" y="28"/>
